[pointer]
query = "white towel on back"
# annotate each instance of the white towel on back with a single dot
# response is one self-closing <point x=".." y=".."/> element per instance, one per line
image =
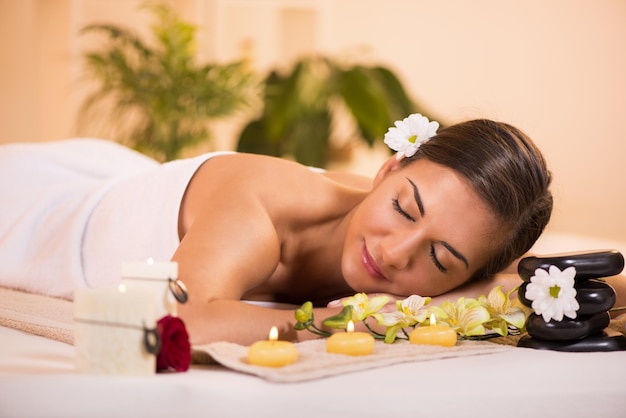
<point x="71" y="212"/>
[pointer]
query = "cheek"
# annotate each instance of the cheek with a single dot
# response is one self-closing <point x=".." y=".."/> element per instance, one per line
<point x="348" y="263"/>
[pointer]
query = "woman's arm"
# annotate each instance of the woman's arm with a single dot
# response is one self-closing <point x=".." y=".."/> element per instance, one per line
<point x="234" y="220"/>
<point x="222" y="256"/>
<point x="244" y="323"/>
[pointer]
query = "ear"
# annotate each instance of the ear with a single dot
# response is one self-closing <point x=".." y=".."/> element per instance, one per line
<point x="388" y="166"/>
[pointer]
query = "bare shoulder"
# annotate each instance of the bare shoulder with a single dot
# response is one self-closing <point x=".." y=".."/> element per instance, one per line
<point x="350" y="179"/>
<point x="279" y="184"/>
<point x="241" y="212"/>
<point x="229" y="244"/>
<point x="221" y="177"/>
<point x="248" y="170"/>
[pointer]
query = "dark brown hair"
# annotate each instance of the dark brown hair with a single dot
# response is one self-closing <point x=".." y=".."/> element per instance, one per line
<point x="509" y="174"/>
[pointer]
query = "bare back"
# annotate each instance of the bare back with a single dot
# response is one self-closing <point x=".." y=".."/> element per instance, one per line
<point x="262" y="228"/>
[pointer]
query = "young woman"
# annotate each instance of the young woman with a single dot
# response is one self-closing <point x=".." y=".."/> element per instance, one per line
<point x="454" y="209"/>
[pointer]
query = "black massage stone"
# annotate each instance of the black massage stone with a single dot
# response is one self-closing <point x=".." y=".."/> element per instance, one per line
<point x="589" y="265"/>
<point x="593" y="296"/>
<point x="567" y="329"/>
<point x="607" y="340"/>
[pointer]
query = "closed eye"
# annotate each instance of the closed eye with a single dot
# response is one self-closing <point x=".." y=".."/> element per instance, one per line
<point x="433" y="257"/>
<point x="398" y="208"/>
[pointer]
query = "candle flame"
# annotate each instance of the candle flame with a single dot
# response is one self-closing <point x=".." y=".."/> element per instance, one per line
<point x="150" y="260"/>
<point x="350" y="326"/>
<point x="433" y="321"/>
<point x="273" y="334"/>
<point x="121" y="288"/>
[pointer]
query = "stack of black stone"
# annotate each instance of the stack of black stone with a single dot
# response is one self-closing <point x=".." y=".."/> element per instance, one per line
<point x="588" y="331"/>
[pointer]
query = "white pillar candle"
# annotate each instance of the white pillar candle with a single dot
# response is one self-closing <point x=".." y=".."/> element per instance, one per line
<point x="157" y="277"/>
<point x="109" y="331"/>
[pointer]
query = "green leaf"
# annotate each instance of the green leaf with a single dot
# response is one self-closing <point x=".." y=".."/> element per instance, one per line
<point x="281" y="102"/>
<point x="339" y="321"/>
<point x="300" y="105"/>
<point x="300" y="326"/>
<point x="363" y="98"/>
<point x="254" y="139"/>
<point x="310" y="137"/>
<point x="394" y="94"/>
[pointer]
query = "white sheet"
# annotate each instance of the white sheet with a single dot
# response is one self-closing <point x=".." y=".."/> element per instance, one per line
<point x="37" y="379"/>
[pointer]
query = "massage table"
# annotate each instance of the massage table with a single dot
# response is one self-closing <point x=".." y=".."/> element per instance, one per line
<point x="38" y="379"/>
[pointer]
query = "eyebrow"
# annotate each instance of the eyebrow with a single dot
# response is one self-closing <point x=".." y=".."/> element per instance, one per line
<point x="420" y="206"/>
<point x="416" y="195"/>
<point x="455" y="253"/>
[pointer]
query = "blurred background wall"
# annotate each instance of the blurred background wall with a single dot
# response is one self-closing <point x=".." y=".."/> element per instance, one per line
<point x="555" y="69"/>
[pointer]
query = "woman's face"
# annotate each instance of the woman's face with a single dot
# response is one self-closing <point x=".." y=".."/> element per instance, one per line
<point x="422" y="230"/>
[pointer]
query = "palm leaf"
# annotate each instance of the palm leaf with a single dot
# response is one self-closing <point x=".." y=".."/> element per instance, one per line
<point x="170" y="97"/>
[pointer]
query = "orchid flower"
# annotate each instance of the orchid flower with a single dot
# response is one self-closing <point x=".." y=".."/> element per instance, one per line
<point x="466" y="316"/>
<point x="410" y="312"/>
<point x="363" y="307"/>
<point x="503" y="310"/>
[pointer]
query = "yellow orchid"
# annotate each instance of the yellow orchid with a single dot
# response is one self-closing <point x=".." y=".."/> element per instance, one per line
<point x="488" y="316"/>
<point x="466" y="316"/>
<point x="410" y="312"/>
<point x="503" y="310"/>
<point x="363" y="306"/>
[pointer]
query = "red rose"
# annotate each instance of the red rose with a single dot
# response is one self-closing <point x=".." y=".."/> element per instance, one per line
<point x="175" y="354"/>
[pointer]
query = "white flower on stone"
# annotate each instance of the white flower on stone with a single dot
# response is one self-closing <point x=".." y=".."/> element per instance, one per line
<point x="552" y="293"/>
<point x="409" y="133"/>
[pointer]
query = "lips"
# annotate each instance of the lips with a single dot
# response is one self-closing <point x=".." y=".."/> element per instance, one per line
<point x="370" y="265"/>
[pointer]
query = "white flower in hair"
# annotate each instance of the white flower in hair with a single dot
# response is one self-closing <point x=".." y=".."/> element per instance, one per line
<point x="409" y="133"/>
<point x="553" y="294"/>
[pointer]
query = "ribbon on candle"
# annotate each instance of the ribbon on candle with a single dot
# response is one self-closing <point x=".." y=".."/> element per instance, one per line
<point x="151" y="338"/>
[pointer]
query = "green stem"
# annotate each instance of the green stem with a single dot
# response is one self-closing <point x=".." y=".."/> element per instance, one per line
<point x="376" y="334"/>
<point x="619" y="308"/>
<point x="315" y="330"/>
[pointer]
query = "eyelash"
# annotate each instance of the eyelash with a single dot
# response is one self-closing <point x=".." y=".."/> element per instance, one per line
<point x="435" y="261"/>
<point x="398" y="208"/>
<point x="433" y="256"/>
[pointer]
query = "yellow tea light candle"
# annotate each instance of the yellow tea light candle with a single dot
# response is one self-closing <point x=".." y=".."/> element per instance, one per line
<point x="350" y="342"/>
<point x="162" y="278"/>
<point x="272" y="353"/>
<point x="433" y="334"/>
<point x="112" y="329"/>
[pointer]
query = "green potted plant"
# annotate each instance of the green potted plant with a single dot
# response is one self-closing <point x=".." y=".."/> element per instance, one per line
<point x="155" y="97"/>
<point x="301" y="107"/>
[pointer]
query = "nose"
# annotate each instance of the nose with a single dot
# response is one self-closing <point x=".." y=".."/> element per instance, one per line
<point x="398" y="250"/>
